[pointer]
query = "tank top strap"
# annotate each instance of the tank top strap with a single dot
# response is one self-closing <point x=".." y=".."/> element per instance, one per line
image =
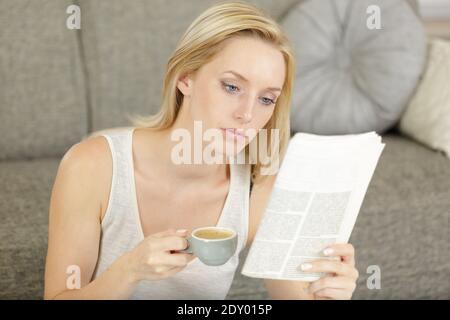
<point x="120" y="144"/>
<point x="239" y="210"/>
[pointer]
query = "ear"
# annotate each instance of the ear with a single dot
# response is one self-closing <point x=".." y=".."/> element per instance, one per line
<point x="184" y="84"/>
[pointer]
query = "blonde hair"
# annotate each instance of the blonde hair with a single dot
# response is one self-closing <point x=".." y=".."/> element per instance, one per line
<point x="201" y="42"/>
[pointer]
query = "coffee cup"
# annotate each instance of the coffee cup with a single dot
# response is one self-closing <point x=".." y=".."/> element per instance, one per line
<point x="214" y="246"/>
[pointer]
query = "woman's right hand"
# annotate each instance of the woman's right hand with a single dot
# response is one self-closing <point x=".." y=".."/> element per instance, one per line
<point x="152" y="258"/>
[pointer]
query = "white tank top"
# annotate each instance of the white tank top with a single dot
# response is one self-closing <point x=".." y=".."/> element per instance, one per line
<point x="122" y="230"/>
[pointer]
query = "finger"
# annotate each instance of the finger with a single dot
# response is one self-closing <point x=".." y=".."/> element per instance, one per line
<point x="170" y="232"/>
<point x="330" y="266"/>
<point x="345" y="251"/>
<point x="172" y="243"/>
<point x="335" y="294"/>
<point x="332" y="282"/>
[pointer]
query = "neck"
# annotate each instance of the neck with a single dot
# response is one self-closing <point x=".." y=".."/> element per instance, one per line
<point x="191" y="172"/>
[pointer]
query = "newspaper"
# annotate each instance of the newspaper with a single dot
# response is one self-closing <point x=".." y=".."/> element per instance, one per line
<point x="315" y="201"/>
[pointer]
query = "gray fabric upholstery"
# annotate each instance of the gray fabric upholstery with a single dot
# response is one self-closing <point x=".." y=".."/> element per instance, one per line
<point x="404" y="222"/>
<point x="42" y="98"/>
<point x="127" y="48"/>
<point x="25" y="189"/>
<point x="352" y="79"/>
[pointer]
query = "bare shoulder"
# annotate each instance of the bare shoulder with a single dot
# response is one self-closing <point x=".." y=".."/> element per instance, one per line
<point x="89" y="159"/>
<point x="89" y="153"/>
<point x="89" y="164"/>
<point x="258" y="202"/>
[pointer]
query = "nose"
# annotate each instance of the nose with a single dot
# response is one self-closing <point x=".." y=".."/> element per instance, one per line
<point x="244" y="113"/>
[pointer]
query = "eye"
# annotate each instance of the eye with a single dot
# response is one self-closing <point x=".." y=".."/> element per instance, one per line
<point x="229" y="87"/>
<point x="267" y="101"/>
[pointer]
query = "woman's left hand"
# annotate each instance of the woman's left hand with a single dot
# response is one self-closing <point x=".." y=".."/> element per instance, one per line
<point x="341" y="282"/>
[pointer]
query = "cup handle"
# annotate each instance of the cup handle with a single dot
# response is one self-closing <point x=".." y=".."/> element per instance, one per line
<point x="189" y="248"/>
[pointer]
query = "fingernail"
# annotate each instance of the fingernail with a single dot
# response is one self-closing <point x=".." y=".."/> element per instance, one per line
<point x="181" y="230"/>
<point x="327" y="251"/>
<point x="306" y="266"/>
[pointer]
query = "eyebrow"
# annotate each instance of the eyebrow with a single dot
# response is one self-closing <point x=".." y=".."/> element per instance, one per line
<point x="244" y="79"/>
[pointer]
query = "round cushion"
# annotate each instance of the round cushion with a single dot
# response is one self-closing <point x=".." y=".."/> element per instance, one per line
<point x="351" y="78"/>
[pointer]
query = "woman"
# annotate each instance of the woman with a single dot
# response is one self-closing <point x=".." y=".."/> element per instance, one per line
<point x="121" y="208"/>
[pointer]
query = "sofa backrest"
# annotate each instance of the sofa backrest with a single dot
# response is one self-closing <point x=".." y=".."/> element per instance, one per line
<point x="58" y="85"/>
<point x="43" y="106"/>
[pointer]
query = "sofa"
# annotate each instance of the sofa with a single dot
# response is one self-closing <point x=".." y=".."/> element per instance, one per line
<point x="60" y="84"/>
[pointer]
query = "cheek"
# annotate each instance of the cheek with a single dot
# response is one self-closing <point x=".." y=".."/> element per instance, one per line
<point x="260" y="119"/>
<point x="216" y="105"/>
<point x="263" y="116"/>
<point x="204" y="104"/>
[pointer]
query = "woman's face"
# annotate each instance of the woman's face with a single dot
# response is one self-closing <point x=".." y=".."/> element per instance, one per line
<point x="237" y="90"/>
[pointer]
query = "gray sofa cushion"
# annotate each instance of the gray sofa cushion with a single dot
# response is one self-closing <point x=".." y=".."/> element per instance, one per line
<point x="127" y="45"/>
<point x="25" y="190"/>
<point x="352" y="79"/>
<point x="42" y="98"/>
<point x="403" y="224"/>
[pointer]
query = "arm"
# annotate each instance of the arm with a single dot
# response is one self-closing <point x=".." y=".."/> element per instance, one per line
<point x="339" y="285"/>
<point x="74" y="226"/>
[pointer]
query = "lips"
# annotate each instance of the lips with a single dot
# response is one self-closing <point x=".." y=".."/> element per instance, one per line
<point x="234" y="132"/>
